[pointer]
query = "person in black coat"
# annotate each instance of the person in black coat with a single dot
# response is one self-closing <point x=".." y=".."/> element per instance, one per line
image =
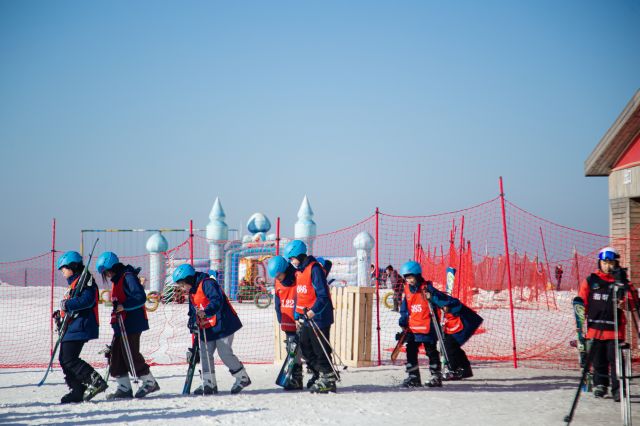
<point x="82" y="326"/>
<point x="128" y="298"/>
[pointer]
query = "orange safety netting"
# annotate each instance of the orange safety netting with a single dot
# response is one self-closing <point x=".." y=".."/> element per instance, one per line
<point x="547" y="262"/>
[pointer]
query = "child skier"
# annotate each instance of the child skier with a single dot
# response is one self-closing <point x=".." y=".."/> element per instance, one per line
<point x="128" y="299"/>
<point x="597" y="293"/>
<point x="459" y="324"/>
<point x="313" y="302"/>
<point x="285" y="296"/>
<point x="415" y="319"/>
<point x="211" y="312"/>
<point x="82" y="327"/>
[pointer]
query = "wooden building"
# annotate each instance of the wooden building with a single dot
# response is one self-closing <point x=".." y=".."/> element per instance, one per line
<point x="617" y="156"/>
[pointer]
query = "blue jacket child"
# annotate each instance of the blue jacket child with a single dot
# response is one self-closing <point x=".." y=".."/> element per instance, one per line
<point x="81" y="312"/>
<point x="129" y="293"/>
<point x="83" y="325"/>
<point x="227" y="321"/>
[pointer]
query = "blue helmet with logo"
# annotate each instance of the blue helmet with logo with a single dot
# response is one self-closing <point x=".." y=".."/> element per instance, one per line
<point x="183" y="271"/>
<point x="411" y="268"/>
<point x="106" y="261"/>
<point x="277" y="265"/>
<point x="69" y="258"/>
<point x="294" y="249"/>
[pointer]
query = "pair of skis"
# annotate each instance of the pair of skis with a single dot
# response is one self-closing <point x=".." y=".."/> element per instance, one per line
<point x="193" y="358"/>
<point x="290" y="361"/>
<point x="62" y="330"/>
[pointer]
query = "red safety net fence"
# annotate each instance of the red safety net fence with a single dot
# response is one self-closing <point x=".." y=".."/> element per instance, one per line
<point x="531" y="312"/>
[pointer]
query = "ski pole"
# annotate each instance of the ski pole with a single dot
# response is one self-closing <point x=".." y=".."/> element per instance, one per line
<point x="585" y="371"/>
<point x="333" y="352"/>
<point x="127" y="348"/>
<point x="436" y="323"/>
<point x="206" y="354"/>
<point x="206" y="351"/>
<point x="625" y="406"/>
<point x="324" y="350"/>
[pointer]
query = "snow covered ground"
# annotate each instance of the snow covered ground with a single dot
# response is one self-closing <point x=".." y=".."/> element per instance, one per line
<point x="495" y="396"/>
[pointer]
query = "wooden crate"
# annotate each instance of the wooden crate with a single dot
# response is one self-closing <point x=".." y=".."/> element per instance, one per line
<point x="350" y="334"/>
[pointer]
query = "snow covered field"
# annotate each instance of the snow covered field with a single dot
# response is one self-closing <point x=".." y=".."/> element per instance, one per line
<point x="495" y="396"/>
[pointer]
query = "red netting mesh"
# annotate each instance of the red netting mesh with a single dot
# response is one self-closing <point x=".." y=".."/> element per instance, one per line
<point x="469" y="240"/>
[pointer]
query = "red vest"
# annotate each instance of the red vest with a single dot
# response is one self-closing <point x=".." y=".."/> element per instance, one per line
<point x="201" y="301"/>
<point x="67" y="296"/>
<point x="287" y="297"/>
<point x="419" y="313"/>
<point x="452" y="324"/>
<point x="118" y="295"/>
<point x="306" y="294"/>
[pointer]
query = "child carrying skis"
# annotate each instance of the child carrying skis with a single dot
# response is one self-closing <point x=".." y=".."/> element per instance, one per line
<point x="211" y="312"/>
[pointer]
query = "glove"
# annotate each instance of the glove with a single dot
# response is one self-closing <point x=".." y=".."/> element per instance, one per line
<point x="63" y="305"/>
<point x="57" y="318"/>
<point x="291" y="343"/>
<point x="202" y="322"/>
<point x="620" y="275"/>
<point x="191" y="354"/>
<point x="107" y="352"/>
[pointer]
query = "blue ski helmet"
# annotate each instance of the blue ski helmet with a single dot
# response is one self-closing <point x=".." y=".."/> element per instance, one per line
<point x="277" y="265"/>
<point x="608" y="253"/>
<point x="183" y="271"/>
<point x="411" y="268"/>
<point x="69" y="258"/>
<point x="106" y="261"/>
<point x="294" y="249"/>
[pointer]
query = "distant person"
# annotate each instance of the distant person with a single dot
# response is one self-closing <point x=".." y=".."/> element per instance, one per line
<point x="559" y="273"/>
<point x="394" y="281"/>
<point x="82" y="327"/>
<point x="128" y="299"/>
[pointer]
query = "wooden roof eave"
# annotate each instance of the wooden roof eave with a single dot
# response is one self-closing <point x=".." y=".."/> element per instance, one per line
<point x="615" y="141"/>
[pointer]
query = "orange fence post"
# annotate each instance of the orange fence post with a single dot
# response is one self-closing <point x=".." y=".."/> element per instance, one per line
<point x="508" y="267"/>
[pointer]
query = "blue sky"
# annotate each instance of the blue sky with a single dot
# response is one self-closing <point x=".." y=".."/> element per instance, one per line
<point x="138" y="114"/>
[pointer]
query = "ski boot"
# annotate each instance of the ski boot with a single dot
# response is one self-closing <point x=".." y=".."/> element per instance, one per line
<point x="436" y="379"/>
<point x="123" y="391"/>
<point x="600" y="391"/>
<point x="326" y="383"/>
<point x="413" y="377"/>
<point x="315" y="375"/>
<point x="149" y="385"/>
<point x="242" y="381"/>
<point x="452" y="375"/>
<point x="295" y="383"/>
<point x="75" y="395"/>
<point x="209" y="387"/>
<point x="95" y="385"/>
<point x="615" y="394"/>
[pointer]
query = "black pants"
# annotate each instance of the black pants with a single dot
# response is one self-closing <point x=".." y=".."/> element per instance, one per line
<point x="312" y="349"/>
<point x="457" y="356"/>
<point x="604" y="363"/>
<point x="76" y="371"/>
<point x="120" y="362"/>
<point x="432" y="353"/>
